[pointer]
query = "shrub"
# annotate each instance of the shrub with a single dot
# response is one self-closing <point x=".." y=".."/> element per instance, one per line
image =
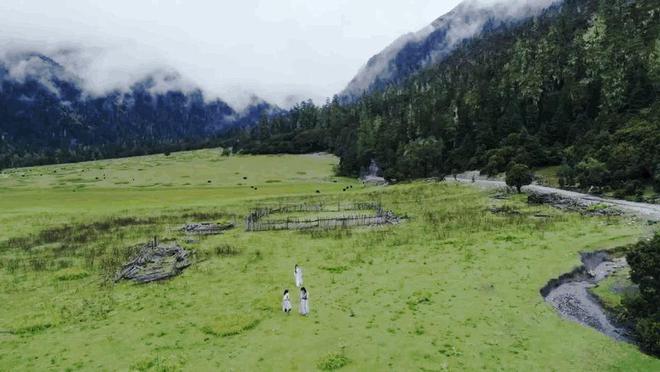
<point x="566" y="175"/>
<point x="644" y="260"/>
<point x="518" y="176"/>
<point x="226" y="250"/>
<point x="591" y="172"/>
<point x="648" y="331"/>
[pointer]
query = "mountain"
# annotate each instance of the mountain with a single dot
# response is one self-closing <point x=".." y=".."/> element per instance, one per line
<point x="415" y="51"/>
<point x="47" y="116"/>
<point x="575" y="87"/>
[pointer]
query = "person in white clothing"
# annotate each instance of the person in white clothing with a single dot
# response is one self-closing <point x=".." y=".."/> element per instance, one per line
<point x="298" y="276"/>
<point x="304" y="305"/>
<point x="286" y="302"/>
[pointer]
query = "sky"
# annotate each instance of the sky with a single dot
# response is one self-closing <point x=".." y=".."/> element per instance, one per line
<point x="280" y="50"/>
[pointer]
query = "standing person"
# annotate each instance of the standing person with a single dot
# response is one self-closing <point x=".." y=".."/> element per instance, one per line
<point x="286" y="302"/>
<point x="297" y="274"/>
<point x="304" y="306"/>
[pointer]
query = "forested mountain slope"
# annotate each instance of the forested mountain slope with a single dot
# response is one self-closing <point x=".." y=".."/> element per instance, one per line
<point x="415" y="51"/>
<point x="47" y="117"/>
<point x="577" y="86"/>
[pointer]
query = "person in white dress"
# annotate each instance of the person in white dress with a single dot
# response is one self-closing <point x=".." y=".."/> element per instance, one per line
<point x="286" y="302"/>
<point x="304" y="305"/>
<point x="298" y="275"/>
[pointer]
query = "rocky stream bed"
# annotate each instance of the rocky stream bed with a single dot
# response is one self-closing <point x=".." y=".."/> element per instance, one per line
<point x="569" y="294"/>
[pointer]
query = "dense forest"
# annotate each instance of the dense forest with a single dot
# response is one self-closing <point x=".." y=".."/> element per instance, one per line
<point x="47" y="117"/>
<point x="576" y="86"/>
<point x="643" y="308"/>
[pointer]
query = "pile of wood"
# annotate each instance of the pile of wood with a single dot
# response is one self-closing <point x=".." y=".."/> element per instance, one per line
<point x="585" y="207"/>
<point x="206" y="228"/>
<point x="155" y="262"/>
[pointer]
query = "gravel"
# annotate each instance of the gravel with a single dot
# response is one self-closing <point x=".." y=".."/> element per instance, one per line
<point x="571" y="298"/>
<point x="650" y="212"/>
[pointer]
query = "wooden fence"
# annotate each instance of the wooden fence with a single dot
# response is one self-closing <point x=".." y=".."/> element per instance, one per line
<point x="254" y="221"/>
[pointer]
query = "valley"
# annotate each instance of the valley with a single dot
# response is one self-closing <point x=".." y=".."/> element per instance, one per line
<point x="455" y="287"/>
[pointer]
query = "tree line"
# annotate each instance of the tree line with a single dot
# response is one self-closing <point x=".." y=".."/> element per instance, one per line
<point x="576" y="87"/>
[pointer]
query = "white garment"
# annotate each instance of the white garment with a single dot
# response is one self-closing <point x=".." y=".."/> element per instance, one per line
<point x="298" y="275"/>
<point x="286" y="303"/>
<point x="304" y="305"/>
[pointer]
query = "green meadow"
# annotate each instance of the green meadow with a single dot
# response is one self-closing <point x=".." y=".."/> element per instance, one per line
<point x="454" y="287"/>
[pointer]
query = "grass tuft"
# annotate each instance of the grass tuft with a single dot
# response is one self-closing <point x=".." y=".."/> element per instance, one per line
<point x="71" y="274"/>
<point x="226" y="250"/>
<point x="332" y="362"/>
<point x="231" y="325"/>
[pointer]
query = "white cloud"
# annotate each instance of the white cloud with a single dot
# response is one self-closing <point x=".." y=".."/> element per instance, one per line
<point x="279" y="49"/>
<point x="463" y="22"/>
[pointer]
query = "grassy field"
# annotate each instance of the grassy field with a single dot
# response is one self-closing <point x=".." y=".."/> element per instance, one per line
<point x="453" y="288"/>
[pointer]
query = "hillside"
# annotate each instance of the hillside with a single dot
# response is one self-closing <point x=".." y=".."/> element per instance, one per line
<point x="46" y="116"/>
<point x="577" y="87"/>
<point x="415" y="51"/>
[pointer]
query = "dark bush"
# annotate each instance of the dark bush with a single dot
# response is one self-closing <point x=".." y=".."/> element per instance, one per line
<point x="518" y="176"/>
<point x="226" y="250"/>
<point x="644" y="260"/>
<point x="592" y="172"/>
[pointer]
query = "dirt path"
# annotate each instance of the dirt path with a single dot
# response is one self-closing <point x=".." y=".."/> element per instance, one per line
<point x="646" y="211"/>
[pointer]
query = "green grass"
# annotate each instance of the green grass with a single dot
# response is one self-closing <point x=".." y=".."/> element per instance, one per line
<point x="454" y="288"/>
<point x="614" y="288"/>
<point x="548" y="175"/>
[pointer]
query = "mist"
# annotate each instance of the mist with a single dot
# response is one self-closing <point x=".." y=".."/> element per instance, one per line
<point x="280" y="51"/>
<point x="463" y="22"/>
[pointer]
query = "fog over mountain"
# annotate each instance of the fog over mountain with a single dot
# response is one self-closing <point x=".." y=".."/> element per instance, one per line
<point x="87" y="80"/>
<point x="280" y="51"/>
<point x="414" y="51"/>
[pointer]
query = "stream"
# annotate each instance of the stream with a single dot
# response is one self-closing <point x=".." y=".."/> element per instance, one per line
<point x="569" y="294"/>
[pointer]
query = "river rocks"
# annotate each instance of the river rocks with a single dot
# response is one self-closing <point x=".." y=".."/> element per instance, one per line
<point x="573" y="204"/>
<point x="569" y="294"/>
<point x="572" y="306"/>
<point x="505" y="210"/>
<point x="206" y="228"/>
<point x="371" y="177"/>
<point x="155" y="262"/>
<point x="373" y="180"/>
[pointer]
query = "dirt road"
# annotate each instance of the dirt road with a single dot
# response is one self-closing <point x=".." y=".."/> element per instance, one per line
<point x="646" y="211"/>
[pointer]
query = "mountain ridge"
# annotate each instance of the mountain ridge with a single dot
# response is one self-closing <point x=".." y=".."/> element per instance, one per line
<point x="414" y="51"/>
<point x="46" y="115"/>
<point x="576" y="88"/>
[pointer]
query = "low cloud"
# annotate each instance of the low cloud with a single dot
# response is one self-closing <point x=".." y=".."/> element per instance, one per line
<point x="281" y="51"/>
<point x="463" y="22"/>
